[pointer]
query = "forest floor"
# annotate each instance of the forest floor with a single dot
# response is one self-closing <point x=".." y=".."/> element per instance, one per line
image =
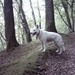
<point x="28" y="60"/>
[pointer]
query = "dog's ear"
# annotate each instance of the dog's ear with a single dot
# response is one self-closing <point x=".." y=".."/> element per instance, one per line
<point x="37" y="26"/>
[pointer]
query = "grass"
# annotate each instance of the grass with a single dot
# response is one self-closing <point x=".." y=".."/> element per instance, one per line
<point x="27" y="61"/>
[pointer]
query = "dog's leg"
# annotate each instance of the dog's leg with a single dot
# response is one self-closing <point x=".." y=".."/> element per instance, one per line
<point x="63" y="47"/>
<point x="59" y="45"/>
<point x="44" y="45"/>
<point x="60" y="50"/>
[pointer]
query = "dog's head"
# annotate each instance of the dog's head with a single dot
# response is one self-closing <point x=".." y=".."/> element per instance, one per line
<point x="35" y="30"/>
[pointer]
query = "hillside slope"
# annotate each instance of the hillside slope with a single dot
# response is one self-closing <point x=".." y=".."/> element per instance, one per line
<point x="64" y="64"/>
<point x="28" y="60"/>
<point x="21" y="59"/>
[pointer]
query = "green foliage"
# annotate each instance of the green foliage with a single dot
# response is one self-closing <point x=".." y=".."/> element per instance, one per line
<point x="60" y="25"/>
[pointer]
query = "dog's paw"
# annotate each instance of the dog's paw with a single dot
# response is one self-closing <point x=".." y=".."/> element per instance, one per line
<point x="60" y="52"/>
<point x="43" y="50"/>
<point x="57" y="51"/>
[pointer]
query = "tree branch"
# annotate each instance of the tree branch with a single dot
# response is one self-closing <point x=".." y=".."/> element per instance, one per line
<point x="2" y="4"/>
<point x="2" y="36"/>
<point x="61" y="16"/>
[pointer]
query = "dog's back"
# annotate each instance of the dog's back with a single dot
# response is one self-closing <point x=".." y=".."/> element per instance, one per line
<point x="49" y="35"/>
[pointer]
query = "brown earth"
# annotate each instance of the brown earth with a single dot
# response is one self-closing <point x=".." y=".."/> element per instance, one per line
<point x="64" y="64"/>
<point x="48" y="63"/>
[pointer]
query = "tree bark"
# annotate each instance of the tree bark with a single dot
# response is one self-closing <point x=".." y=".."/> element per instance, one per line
<point x="9" y="25"/>
<point x="72" y="14"/>
<point x="25" y="24"/>
<point x="65" y="6"/>
<point x="50" y="24"/>
<point x="34" y="19"/>
<point x="39" y="13"/>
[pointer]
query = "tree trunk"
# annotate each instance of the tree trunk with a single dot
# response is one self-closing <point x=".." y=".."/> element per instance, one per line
<point x="9" y="25"/>
<point x="50" y="24"/>
<point x="25" y="24"/>
<point x="34" y="19"/>
<point x="39" y="13"/>
<point x="72" y="14"/>
<point x="65" y="6"/>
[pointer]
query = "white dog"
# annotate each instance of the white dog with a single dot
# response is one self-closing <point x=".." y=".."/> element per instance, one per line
<point x="45" y="36"/>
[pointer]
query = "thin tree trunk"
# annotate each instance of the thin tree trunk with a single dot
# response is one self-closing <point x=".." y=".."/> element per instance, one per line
<point x="65" y="6"/>
<point x="72" y="5"/>
<point x="63" y="18"/>
<point x="2" y="4"/>
<point x="39" y="13"/>
<point x="34" y="19"/>
<point x="25" y="24"/>
<point x="2" y="36"/>
<point x="2" y="46"/>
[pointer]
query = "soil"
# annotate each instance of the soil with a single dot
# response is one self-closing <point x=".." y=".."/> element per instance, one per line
<point x="48" y="63"/>
<point x="53" y="64"/>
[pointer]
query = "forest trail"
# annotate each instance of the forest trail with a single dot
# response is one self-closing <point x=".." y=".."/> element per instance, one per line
<point x="28" y="60"/>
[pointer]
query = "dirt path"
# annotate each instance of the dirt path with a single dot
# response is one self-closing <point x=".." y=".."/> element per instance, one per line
<point x="54" y="64"/>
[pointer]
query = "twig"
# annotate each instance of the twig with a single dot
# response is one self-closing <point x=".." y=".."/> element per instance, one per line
<point x="2" y="36"/>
